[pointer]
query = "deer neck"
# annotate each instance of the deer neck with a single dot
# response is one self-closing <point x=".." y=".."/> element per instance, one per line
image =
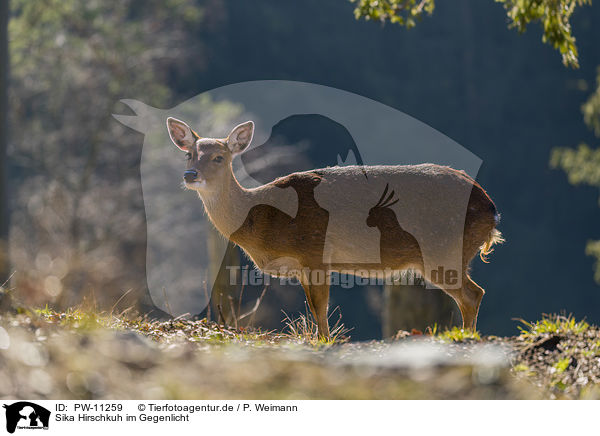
<point x="227" y="206"/>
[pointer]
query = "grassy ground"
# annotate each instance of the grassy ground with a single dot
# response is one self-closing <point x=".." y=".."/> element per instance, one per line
<point x="85" y="355"/>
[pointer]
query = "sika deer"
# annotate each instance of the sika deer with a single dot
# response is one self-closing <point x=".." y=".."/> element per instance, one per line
<point x="301" y="232"/>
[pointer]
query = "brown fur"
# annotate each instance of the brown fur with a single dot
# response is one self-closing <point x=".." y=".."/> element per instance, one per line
<point x="302" y="237"/>
<point x="273" y="238"/>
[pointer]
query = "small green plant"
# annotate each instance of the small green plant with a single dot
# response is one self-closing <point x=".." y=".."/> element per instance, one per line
<point x="78" y="318"/>
<point x="560" y="385"/>
<point x="521" y="367"/>
<point x="562" y="365"/>
<point x="304" y="329"/>
<point x="432" y="330"/>
<point x="457" y="334"/>
<point x="45" y="312"/>
<point x="552" y="324"/>
<point x="523" y="370"/>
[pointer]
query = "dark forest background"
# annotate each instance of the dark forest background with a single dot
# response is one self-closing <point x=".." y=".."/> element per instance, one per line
<point x="76" y="208"/>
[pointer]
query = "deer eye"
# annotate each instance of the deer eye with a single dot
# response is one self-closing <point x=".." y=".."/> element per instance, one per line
<point x="188" y="156"/>
<point x="218" y="159"/>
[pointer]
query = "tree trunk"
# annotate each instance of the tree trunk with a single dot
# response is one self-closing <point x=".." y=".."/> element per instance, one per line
<point x="4" y="59"/>
<point x="408" y="307"/>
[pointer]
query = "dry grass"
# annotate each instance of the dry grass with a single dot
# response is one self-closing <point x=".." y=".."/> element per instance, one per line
<point x="84" y="354"/>
<point x="303" y="329"/>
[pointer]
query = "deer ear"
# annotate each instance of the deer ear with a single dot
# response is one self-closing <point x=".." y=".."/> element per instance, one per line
<point x="181" y="134"/>
<point x="240" y="137"/>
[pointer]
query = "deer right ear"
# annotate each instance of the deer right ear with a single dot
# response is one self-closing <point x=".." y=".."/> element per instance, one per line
<point x="181" y="134"/>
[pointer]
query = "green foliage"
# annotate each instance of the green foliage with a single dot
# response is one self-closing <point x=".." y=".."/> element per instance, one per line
<point x="591" y="109"/>
<point x="582" y="165"/>
<point x="553" y="15"/>
<point x="593" y="249"/>
<point x="553" y="324"/>
<point x="403" y="12"/>
<point x="60" y="46"/>
<point x="71" y="63"/>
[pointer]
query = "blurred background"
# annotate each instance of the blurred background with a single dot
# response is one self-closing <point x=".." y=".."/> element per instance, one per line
<point x="73" y="218"/>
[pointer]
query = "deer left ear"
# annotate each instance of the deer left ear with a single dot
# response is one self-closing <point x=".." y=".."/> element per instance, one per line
<point x="240" y="137"/>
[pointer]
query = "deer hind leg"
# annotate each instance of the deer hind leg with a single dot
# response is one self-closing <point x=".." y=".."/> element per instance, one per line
<point x="317" y="296"/>
<point x="468" y="298"/>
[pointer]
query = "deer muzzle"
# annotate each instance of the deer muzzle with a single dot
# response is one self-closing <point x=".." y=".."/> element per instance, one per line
<point x="190" y="176"/>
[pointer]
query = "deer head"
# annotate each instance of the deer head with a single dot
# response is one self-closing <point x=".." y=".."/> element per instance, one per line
<point x="208" y="159"/>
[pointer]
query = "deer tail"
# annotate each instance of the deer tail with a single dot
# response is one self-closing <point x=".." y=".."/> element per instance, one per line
<point x="495" y="237"/>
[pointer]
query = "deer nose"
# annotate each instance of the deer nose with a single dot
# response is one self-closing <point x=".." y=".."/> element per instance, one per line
<point x="190" y="175"/>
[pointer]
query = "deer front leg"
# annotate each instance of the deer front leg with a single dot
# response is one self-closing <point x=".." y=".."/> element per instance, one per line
<point x="317" y="296"/>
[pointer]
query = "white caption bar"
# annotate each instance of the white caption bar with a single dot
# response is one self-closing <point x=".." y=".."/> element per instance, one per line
<point x="304" y="418"/>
